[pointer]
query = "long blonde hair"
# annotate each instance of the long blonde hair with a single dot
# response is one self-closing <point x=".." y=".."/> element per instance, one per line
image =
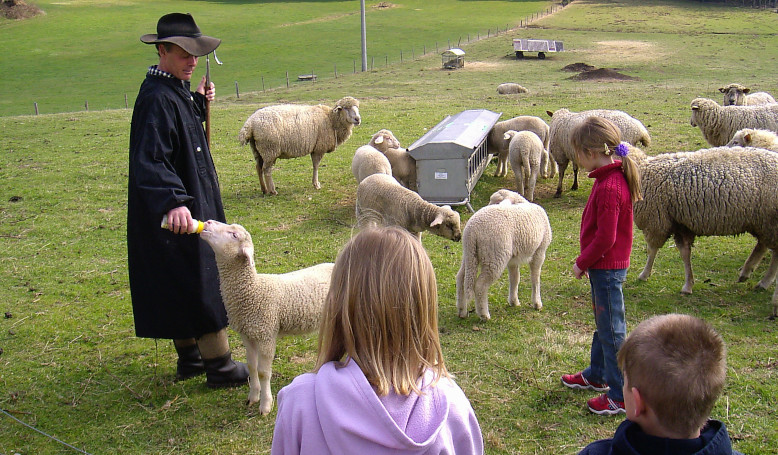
<point x="382" y="311"/>
<point x="600" y="135"/>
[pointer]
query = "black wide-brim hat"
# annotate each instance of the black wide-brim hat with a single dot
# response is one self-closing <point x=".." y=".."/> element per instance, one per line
<point x="180" y="29"/>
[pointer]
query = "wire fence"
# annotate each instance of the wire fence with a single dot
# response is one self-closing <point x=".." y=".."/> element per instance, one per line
<point x="314" y="73"/>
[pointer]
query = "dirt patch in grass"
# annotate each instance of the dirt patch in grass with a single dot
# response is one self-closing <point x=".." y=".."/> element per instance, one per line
<point x="602" y="74"/>
<point x="18" y="9"/>
<point x="578" y="67"/>
<point x="625" y="50"/>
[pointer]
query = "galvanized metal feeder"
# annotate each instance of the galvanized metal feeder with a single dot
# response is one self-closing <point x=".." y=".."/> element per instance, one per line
<point x="451" y="157"/>
<point x="453" y="58"/>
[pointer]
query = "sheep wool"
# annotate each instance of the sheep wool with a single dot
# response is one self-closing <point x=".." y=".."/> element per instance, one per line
<point x="739" y="95"/>
<point x="510" y="88"/>
<point x="262" y="307"/>
<point x="497" y="144"/>
<point x="382" y="201"/>
<point x="750" y="137"/>
<point x="499" y="236"/>
<point x="402" y="163"/>
<point x="525" y="153"/>
<point x="716" y="191"/>
<point x="290" y="131"/>
<point x="368" y="161"/>
<point x="563" y="121"/>
<point x="720" y="123"/>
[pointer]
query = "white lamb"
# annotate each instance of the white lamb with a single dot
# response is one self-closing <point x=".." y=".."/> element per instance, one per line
<point x="506" y="195"/>
<point x="290" y="131"/>
<point x="403" y="164"/>
<point x="526" y="156"/>
<point x="562" y="124"/>
<point x="497" y="144"/>
<point x="369" y="160"/>
<point x="720" y="123"/>
<point x="496" y="237"/>
<point x="261" y="307"/>
<point x="510" y="88"/>
<point x="749" y="137"/>
<point x="739" y="95"/>
<point x="382" y="201"/>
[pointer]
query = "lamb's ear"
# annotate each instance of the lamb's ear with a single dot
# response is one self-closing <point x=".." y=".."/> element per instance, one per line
<point x="379" y="140"/>
<point x="550" y="114"/>
<point x="746" y="90"/>
<point x="747" y="138"/>
<point x="337" y="108"/>
<point x="722" y="90"/>
<point x="248" y="252"/>
<point x="438" y="220"/>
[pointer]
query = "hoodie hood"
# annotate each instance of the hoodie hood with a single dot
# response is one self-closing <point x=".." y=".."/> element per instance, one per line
<point x="353" y="416"/>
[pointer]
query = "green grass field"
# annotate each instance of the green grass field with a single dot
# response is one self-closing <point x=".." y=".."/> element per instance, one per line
<point x="70" y="364"/>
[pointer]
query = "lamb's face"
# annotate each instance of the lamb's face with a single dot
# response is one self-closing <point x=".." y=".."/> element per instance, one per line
<point x="447" y="224"/>
<point x="741" y="139"/>
<point x="227" y="239"/>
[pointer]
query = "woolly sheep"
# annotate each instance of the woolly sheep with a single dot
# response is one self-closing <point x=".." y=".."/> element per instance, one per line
<point x="525" y="153"/>
<point x="509" y="88"/>
<point x="716" y="191"/>
<point x="381" y="200"/>
<point x="369" y="160"/>
<point x="497" y="144"/>
<point x="506" y="195"/>
<point x="496" y="237"/>
<point x="261" y="307"/>
<point x="720" y="123"/>
<point x="738" y="95"/>
<point x="403" y="164"/>
<point x="749" y="137"/>
<point x="563" y="121"/>
<point x="290" y="131"/>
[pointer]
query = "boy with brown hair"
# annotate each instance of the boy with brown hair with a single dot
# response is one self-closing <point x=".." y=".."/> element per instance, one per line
<point x="674" y="367"/>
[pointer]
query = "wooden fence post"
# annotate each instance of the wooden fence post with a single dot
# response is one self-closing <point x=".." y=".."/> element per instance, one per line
<point x="237" y="92"/>
<point x="36" y="108"/>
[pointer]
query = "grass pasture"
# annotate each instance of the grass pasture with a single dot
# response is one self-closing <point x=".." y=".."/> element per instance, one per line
<point x="70" y="365"/>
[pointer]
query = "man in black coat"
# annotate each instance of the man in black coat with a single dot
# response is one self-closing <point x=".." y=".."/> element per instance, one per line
<point x="173" y="276"/>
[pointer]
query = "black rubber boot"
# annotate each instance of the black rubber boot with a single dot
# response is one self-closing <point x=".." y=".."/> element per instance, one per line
<point x="190" y="364"/>
<point x="224" y="372"/>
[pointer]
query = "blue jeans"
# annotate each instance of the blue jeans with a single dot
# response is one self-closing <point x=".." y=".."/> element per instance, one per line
<point x="609" y="316"/>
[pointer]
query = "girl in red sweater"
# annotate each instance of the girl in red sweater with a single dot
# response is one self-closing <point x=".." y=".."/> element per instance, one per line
<point x="606" y="243"/>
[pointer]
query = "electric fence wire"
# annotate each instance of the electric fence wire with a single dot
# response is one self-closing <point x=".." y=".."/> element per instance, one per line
<point x="43" y="433"/>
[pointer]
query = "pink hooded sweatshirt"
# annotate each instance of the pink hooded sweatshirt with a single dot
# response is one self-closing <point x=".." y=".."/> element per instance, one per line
<point x="336" y="411"/>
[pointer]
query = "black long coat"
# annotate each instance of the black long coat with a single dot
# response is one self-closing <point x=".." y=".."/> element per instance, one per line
<point x="174" y="281"/>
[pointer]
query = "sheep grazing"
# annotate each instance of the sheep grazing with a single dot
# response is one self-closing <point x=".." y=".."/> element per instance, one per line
<point x="497" y="144"/>
<point x="563" y="121"/>
<point x="499" y="236"/>
<point x="370" y="159"/>
<point x="525" y="153"/>
<point x="382" y="201"/>
<point x="403" y="164"/>
<point x="720" y="123"/>
<point x="510" y="88"/>
<point x="749" y="137"/>
<point x="738" y="95"/>
<point x="290" y="131"/>
<point x="716" y="191"/>
<point x="261" y="307"/>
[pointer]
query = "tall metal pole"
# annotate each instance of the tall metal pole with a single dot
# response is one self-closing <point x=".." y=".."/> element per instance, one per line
<point x="364" y="35"/>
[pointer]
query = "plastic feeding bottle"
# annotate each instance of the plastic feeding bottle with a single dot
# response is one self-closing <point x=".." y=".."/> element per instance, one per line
<point x="199" y="225"/>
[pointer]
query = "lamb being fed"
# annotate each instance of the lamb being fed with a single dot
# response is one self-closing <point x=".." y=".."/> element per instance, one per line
<point x="262" y="307"/>
<point x="720" y="123"/>
<point x="563" y="121"/>
<point x="716" y="191"/>
<point x="739" y="95"/>
<point x="497" y="144"/>
<point x="499" y="236"/>
<point x="290" y="131"/>
<point x="382" y="201"/>
<point x="525" y="153"/>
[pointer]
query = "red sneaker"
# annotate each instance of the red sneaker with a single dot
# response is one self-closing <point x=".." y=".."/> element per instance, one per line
<point x="604" y="406"/>
<point x="578" y="381"/>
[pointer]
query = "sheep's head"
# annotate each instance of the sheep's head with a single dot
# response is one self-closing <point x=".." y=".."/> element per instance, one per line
<point x="508" y="196"/>
<point x="447" y="224"/>
<point x="348" y="110"/>
<point x="509" y="135"/>
<point x="228" y="241"/>
<point x="384" y="140"/>
<point x="700" y="104"/>
<point x="734" y="94"/>
<point x="743" y="138"/>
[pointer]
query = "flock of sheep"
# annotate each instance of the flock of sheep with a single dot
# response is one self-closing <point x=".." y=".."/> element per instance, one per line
<point x="728" y="189"/>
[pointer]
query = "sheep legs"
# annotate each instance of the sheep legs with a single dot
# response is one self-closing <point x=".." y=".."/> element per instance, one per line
<point x="753" y="260"/>
<point x="482" y="284"/>
<point x="316" y="159"/>
<point x="562" y="169"/>
<point x="684" y="245"/>
<point x="259" y="357"/>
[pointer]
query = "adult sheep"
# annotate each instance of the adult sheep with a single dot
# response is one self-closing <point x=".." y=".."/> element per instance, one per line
<point x="738" y="95"/>
<point x="525" y="153"/>
<point x="499" y="236"/>
<point x="563" y="121"/>
<point x="382" y="201"/>
<point x="716" y="191"/>
<point x="510" y="88"/>
<point x="497" y="144"/>
<point x="720" y="123"/>
<point x="291" y="130"/>
<point x="262" y="307"/>
<point x="750" y="137"/>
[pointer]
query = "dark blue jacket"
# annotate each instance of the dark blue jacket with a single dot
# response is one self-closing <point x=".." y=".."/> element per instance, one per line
<point x="629" y="439"/>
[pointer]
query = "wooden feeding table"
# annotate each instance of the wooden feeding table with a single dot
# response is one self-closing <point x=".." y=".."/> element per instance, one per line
<point x="541" y="46"/>
<point x="451" y="157"/>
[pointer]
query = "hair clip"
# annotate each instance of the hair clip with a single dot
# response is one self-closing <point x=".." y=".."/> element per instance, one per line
<point x="607" y="150"/>
<point x="622" y="149"/>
